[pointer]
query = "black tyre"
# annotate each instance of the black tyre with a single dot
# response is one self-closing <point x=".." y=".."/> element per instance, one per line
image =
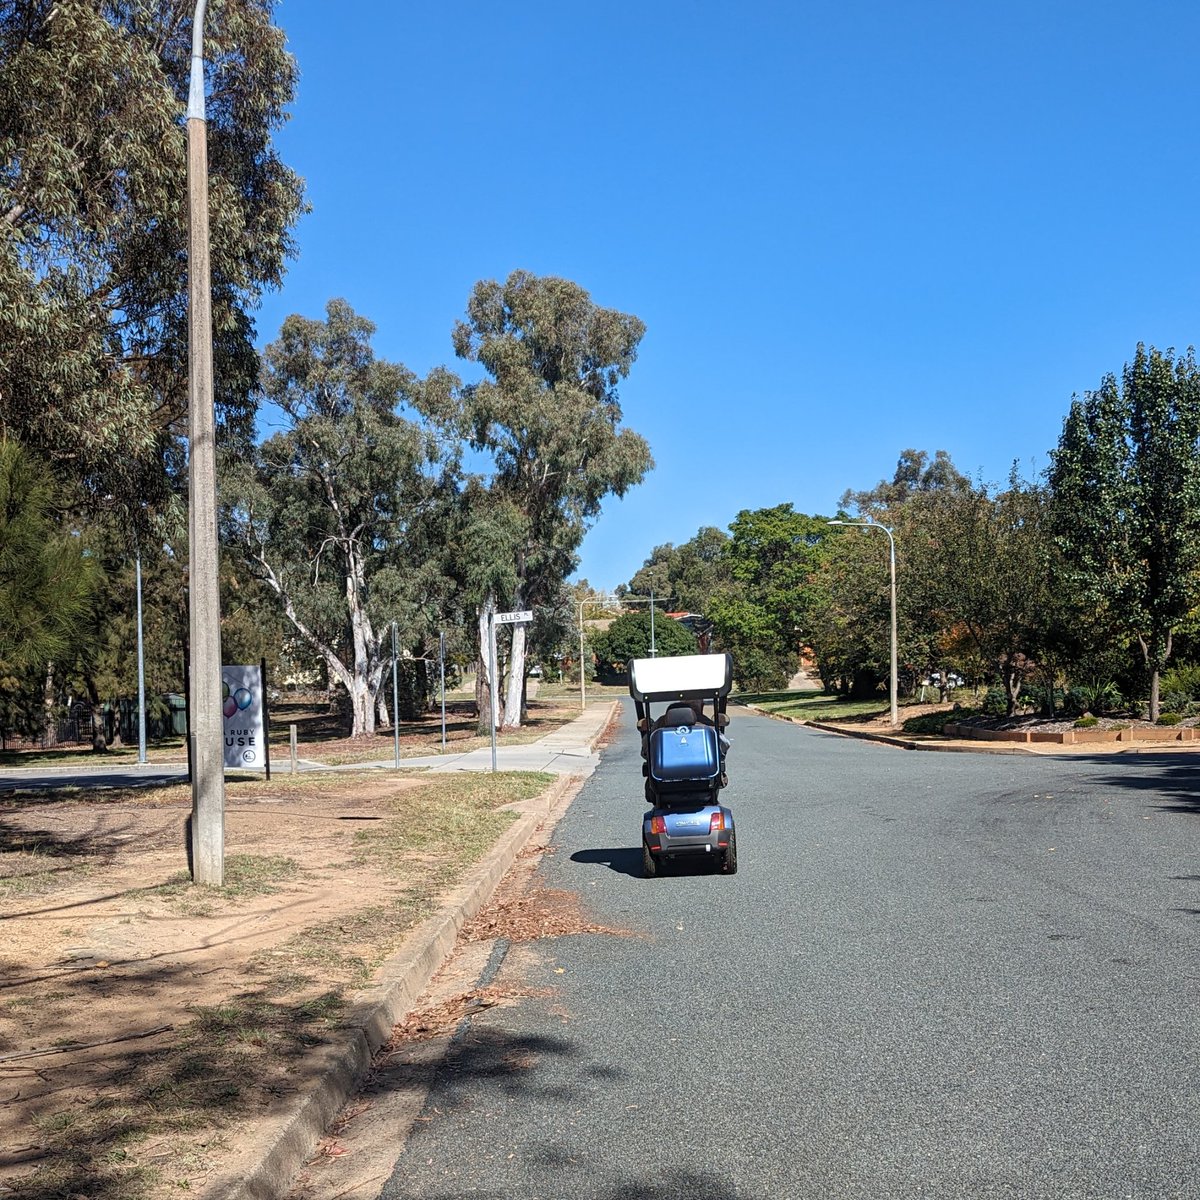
<point x="729" y="863"/>
<point x="649" y="866"/>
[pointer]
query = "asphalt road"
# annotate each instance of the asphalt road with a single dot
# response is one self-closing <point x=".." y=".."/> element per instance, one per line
<point x="935" y="975"/>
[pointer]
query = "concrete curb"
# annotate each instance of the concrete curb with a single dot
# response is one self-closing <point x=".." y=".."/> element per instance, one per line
<point x="905" y="744"/>
<point x="887" y="739"/>
<point x="967" y="747"/>
<point x="293" y="1131"/>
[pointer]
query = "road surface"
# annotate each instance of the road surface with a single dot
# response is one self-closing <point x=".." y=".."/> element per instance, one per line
<point x="935" y="975"/>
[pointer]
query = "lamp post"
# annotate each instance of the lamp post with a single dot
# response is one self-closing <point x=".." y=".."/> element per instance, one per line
<point x="892" y="573"/>
<point x="582" y="681"/>
<point x="204" y="604"/>
<point x="395" y="702"/>
<point x="601" y="599"/>
<point x="141" y="661"/>
<point x="651" y="601"/>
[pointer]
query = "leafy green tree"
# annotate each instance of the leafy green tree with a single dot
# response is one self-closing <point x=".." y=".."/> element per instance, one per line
<point x="93" y="287"/>
<point x="915" y="476"/>
<point x="849" y="627"/>
<point x="629" y="636"/>
<point x="762" y="614"/>
<point x="46" y="580"/>
<point x="690" y="573"/>
<point x="849" y="613"/>
<point x="1126" y="485"/>
<point x="347" y="513"/>
<point x="549" y="416"/>
<point x="991" y="567"/>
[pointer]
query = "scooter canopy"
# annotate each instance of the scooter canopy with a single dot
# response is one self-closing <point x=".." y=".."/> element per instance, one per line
<point x="686" y="677"/>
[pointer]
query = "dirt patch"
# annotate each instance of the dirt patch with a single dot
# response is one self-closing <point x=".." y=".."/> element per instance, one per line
<point x="142" y="1017"/>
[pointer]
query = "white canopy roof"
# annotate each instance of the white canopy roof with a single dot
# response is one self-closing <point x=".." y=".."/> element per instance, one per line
<point x="687" y="677"/>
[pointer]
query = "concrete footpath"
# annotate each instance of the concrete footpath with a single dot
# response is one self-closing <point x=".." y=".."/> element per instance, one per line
<point x="570" y="750"/>
<point x="271" y="1160"/>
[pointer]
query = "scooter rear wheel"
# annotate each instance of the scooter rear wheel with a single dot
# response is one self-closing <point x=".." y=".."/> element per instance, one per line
<point x="649" y="864"/>
<point x="729" y="862"/>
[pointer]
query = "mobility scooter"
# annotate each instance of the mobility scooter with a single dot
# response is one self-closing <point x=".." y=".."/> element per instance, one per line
<point x="684" y="752"/>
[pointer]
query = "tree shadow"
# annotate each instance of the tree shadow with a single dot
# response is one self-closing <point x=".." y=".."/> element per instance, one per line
<point x="485" y="1066"/>
<point x="227" y="1061"/>
<point x="625" y="860"/>
<point x="1176" y="776"/>
<point x="681" y="1184"/>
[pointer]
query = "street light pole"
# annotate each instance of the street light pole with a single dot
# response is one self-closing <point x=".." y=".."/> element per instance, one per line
<point x="204" y="605"/>
<point x="395" y="702"/>
<point x="141" y="661"/>
<point x="582" y="683"/>
<point x="892" y="573"/>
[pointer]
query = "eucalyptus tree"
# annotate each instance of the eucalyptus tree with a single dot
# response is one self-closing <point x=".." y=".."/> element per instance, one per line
<point x="690" y="573"/>
<point x="549" y="416"/>
<point x="761" y="613"/>
<point x="987" y="566"/>
<point x="632" y="635"/>
<point x="346" y="514"/>
<point x="915" y="476"/>
<point x="46" y="580"/>
<point x="93" y="287"/>
<point x="1125" y="480"/>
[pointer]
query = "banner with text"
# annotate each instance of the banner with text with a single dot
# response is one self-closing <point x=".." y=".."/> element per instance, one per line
<point x="242" y="693"/>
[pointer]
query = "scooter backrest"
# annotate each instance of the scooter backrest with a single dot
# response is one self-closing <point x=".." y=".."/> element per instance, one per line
<point x="679" y="714"/>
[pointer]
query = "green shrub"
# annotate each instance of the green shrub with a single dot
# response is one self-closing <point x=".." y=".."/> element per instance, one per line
<point x="930" y="722"/>
<point x="1039" y="698"/>
<point x="1100" y="699"/>
<point x="1183" y="678"/>
<point x="1170" y="718"/>
<point x="1087" y="722"/>
<point x="1174" y="702"/>
<point x="995" y="703"/>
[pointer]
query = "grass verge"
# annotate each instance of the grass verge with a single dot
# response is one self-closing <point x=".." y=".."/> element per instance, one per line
<point x="814" y="706"/>
<point x="163" y="1118"/>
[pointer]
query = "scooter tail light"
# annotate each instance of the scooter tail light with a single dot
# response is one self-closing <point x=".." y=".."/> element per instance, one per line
<point x="658" y="825"/>
<point x="716" y="822"/>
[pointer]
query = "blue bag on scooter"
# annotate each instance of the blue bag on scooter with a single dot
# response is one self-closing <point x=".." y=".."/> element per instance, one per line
<point x="687" y="754"/>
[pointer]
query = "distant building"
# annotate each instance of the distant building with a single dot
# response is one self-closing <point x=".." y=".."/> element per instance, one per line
<point x="700" y="626"/>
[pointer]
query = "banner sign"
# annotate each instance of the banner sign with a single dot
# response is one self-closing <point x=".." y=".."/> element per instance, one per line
<point x="245" y="740"/>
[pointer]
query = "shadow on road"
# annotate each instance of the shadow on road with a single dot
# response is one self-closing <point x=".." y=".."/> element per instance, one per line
<point x="1174" y="776"/>
<point x="671" y="1185"/>
<point x="625" y="860"/>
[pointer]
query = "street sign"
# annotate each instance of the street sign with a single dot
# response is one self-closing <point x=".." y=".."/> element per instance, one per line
<point x="513" y="618"/>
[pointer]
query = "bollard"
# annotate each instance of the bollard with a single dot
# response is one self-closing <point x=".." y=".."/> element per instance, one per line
<point x="292" y="738"/>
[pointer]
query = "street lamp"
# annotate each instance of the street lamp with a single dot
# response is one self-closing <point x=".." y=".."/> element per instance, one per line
<point x="141" y="661"/>
<point x="601" y="599"/>
<point x="892" y="571"/>
<point x="651" y="601"/>
<point x="204" y="602"/>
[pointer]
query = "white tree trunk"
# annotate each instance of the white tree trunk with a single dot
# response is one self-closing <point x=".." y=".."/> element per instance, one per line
<point x="516" y="679"/>
<point x="483" y="678"/>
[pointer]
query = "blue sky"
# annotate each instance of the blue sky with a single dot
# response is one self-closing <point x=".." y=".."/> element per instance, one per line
<point x="849" y="227"/>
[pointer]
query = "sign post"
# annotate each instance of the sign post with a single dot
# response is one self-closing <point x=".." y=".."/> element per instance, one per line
<point x="522" y="617"/>
<point x="442" y="669"/>
<point x="395" y="701"/>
